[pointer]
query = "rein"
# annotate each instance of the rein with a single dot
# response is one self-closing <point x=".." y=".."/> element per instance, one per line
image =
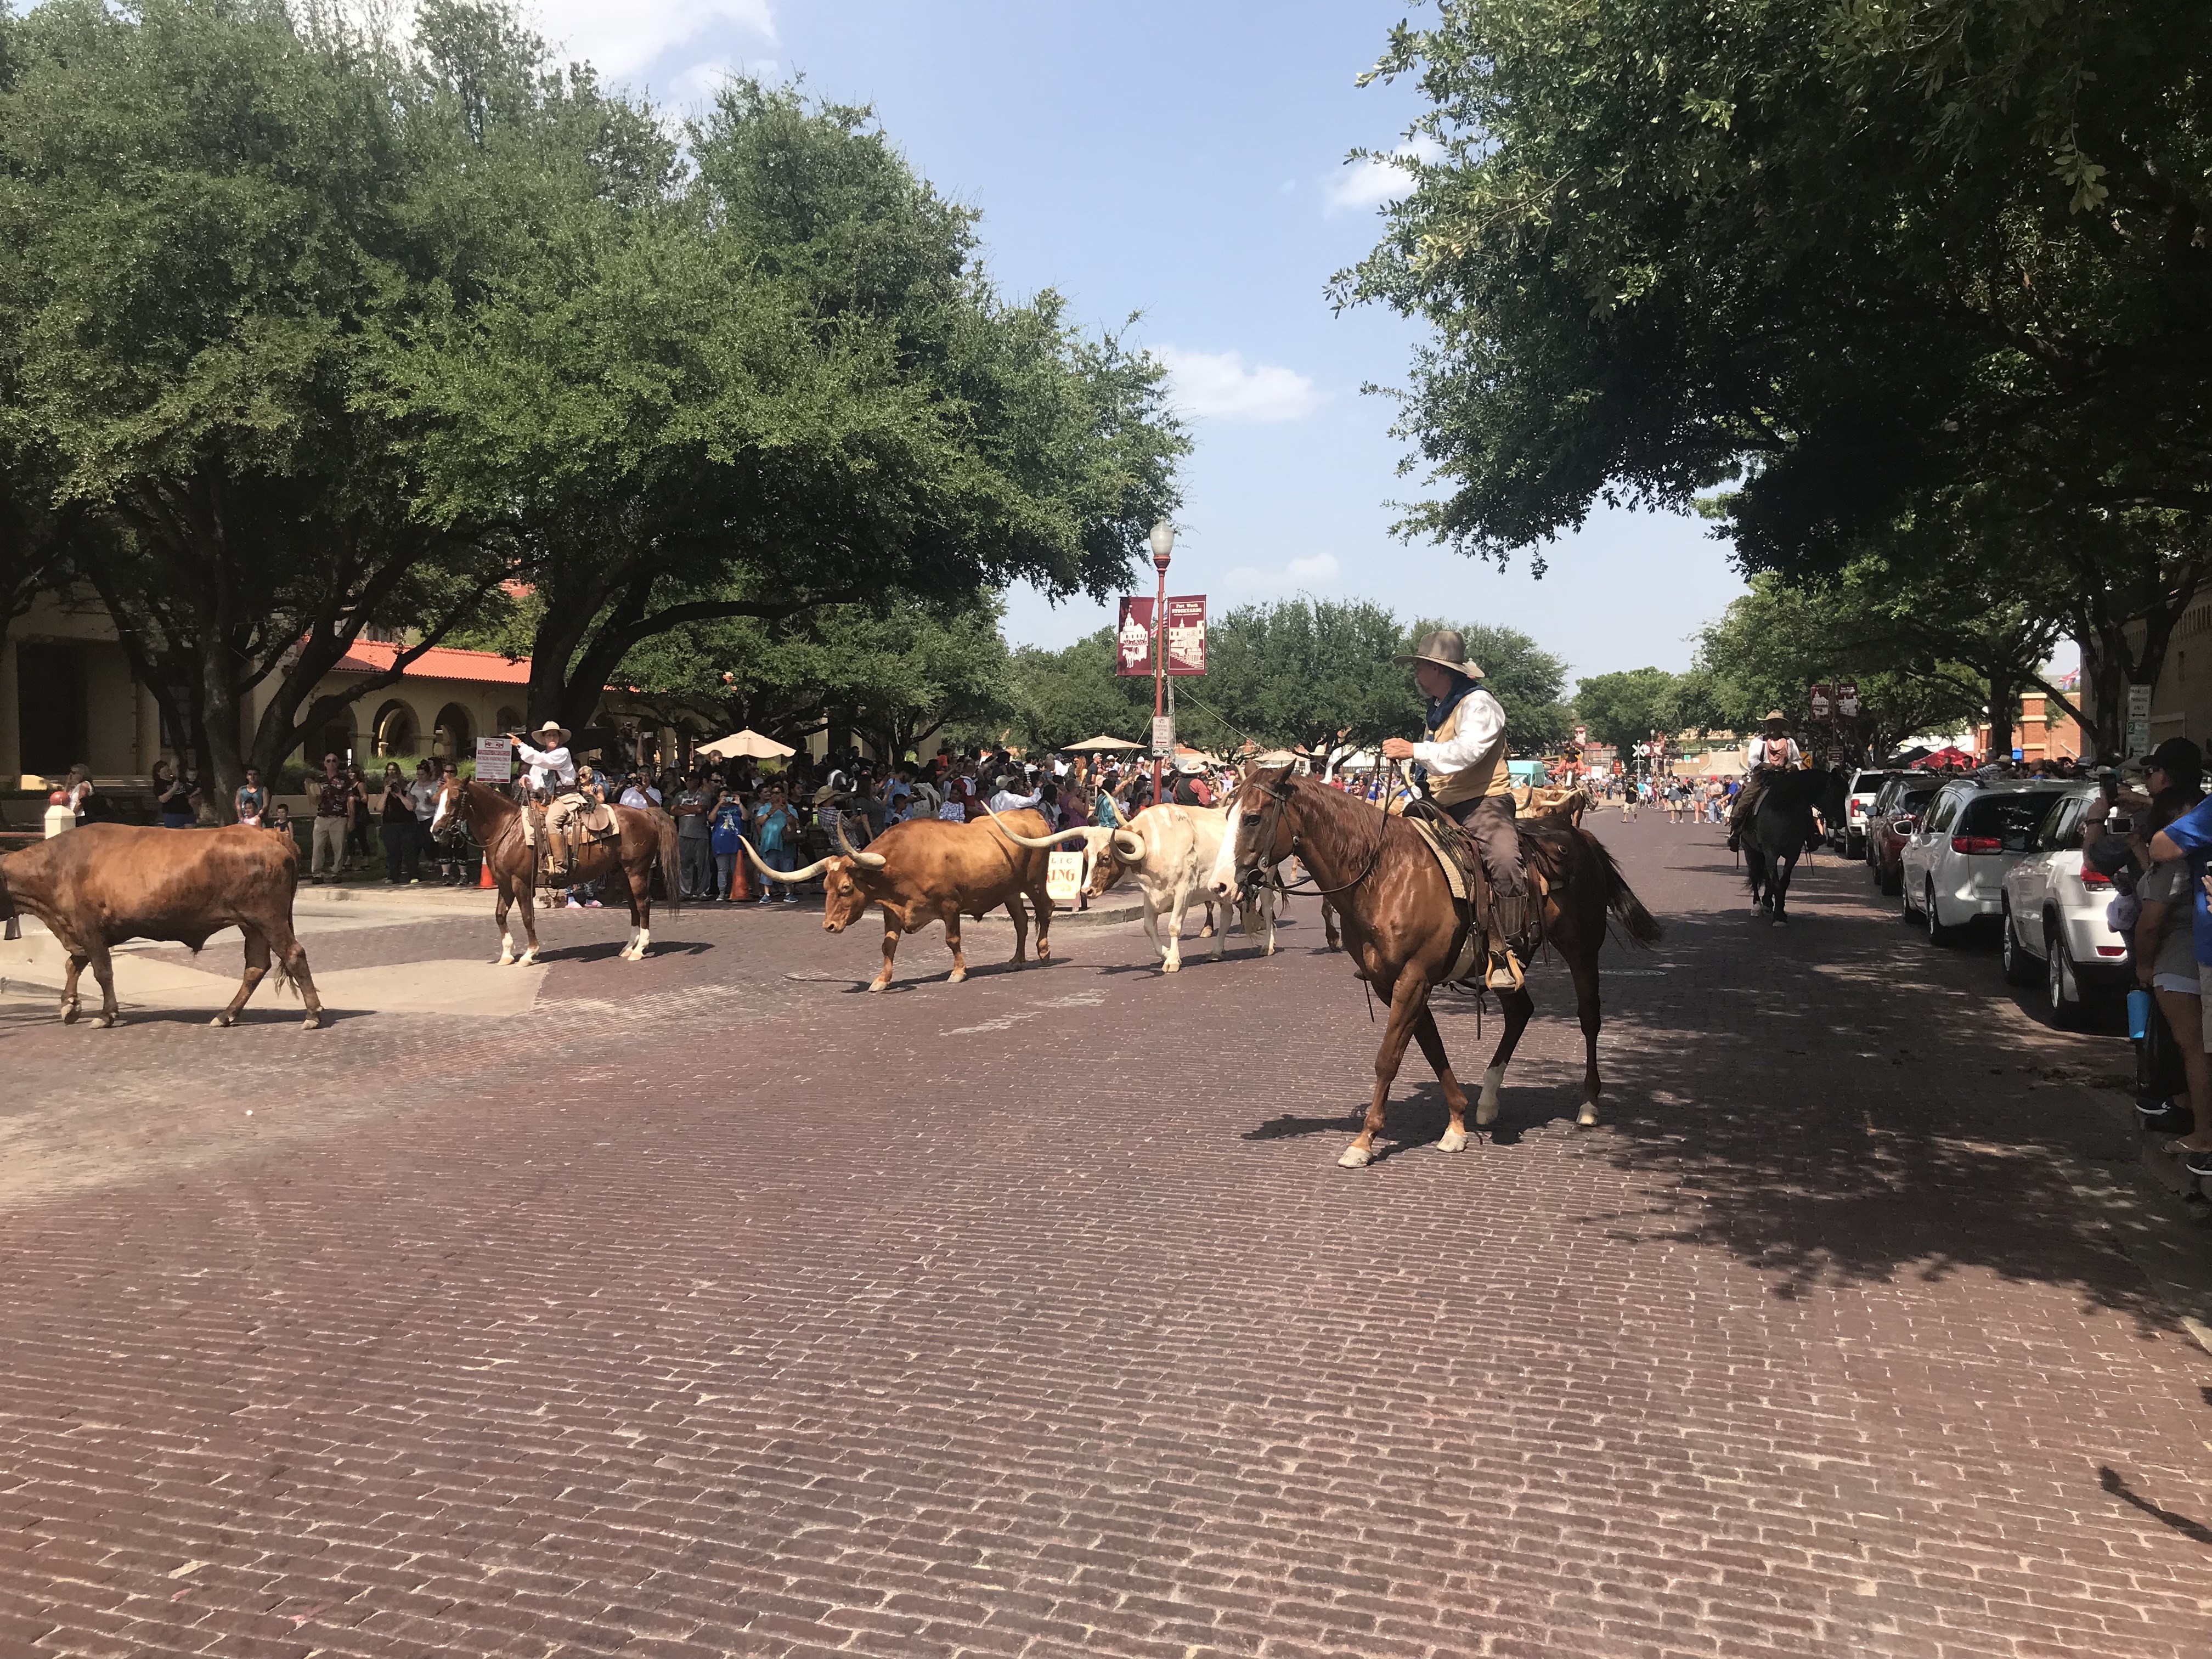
<point x="1279" y="796"/>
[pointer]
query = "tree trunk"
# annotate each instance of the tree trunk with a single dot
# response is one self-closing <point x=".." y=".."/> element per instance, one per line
<point x="2002" y="693"/>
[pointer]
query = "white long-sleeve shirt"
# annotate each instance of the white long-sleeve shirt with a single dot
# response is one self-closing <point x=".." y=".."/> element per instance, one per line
<point x="551" y="769"/>
<point x="1008" y="801"/>
<point x="1772" y="752"/>
<point x="1481" y="724"/>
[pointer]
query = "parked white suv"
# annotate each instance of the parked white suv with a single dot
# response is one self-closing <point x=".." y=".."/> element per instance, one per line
<point x="2054" y="917"/>
<point x="1954" y="861"/>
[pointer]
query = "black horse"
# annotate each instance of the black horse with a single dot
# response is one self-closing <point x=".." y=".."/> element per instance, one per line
<point x="1781" y="829"/>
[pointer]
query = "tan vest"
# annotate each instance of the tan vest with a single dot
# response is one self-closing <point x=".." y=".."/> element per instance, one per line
<point x="1487" y="775"/>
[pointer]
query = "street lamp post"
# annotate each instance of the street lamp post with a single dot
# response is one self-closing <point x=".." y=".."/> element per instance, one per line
<point x="1163" y="539"/>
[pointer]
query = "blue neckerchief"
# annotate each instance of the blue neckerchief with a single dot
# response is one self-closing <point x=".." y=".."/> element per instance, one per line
<point x="1440" y="709"/>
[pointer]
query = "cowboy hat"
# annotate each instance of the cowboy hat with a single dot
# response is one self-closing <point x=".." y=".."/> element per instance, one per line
<point x="827" y="794"/>
<point x="1189" y="765"/>
<point x="1773" y="714"/>
<point x="1445" y="648"/>
<point x="553" y="729"/>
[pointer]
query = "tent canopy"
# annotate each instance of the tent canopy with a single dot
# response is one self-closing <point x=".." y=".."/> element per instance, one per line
<point x="747" y="742"/>
<point x="1721" y="763"/>
<point x="1093" y="745"/>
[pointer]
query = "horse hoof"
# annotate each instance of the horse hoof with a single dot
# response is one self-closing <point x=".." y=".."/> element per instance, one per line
<point x="1454" y="1141"/>
<point x="106" y="1022"/>
<point x="1206" y="931"/>
<point x="1355" y="1158"/>
<point x="1486" y="1111"/>
<point x="505" y="960"/>
<point x="1587" y="1118"/>
<point x="1781" y="921"/>
<point x="1173" y="967"/>
<point x="875" y="985"/>
<point x="314" y="1022"/>
<point x="220" y="1020"/>
<point x="956" y="977"/>
<point x="69" y="1013"/>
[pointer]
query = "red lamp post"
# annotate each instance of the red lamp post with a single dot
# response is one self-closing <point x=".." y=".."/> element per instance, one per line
<point x="1163" y="539"/>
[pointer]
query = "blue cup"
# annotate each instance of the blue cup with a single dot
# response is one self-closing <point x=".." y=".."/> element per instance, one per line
<point x="2139" y="1014"/>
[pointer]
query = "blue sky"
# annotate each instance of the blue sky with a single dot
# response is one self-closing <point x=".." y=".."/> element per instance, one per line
<point x="1185" y="161"/>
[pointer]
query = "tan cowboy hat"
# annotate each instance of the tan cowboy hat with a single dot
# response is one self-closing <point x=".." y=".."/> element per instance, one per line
<point x="827" y="794"/>
<point x="553" y="729"/>
<point x="1444" y="647"/>
<point x="1775" y="714"/>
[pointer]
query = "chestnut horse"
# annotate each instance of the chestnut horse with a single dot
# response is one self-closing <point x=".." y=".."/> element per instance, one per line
<point x="495" y="823"/>
<point x="1401" y="928"/>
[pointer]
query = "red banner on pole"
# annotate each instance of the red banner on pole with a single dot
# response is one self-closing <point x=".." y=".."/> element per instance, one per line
<point x="1133" y="638"/>
<point x="1186" y="634"/>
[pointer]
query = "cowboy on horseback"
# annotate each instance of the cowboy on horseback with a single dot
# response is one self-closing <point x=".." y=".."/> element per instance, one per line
<point x="1772" y="752"/>
<point x="554" y="794"/>
<point x="1463" y="755"/>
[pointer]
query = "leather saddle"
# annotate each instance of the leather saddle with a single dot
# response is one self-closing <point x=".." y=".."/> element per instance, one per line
<point x="1470" y="887"/>
<point x="585" y="828"/>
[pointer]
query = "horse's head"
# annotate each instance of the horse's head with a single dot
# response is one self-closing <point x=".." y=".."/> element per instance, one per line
<point x="1257" y="835"/>
<point x="449" y="816"/>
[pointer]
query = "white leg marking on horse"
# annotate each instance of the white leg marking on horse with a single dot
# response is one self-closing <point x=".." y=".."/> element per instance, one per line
<point x="527" y="957"/>
<point x="1588" y="1115"/>
<point x="1455" y="1140"/>
<point x="644" y="938"/>
<point x="1356" y="1157"/>
<point x="1485" y="1107"/>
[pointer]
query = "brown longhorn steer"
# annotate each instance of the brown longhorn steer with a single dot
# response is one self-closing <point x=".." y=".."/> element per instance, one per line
<point x="100" y="885"/>
<point x="931" y="870"/>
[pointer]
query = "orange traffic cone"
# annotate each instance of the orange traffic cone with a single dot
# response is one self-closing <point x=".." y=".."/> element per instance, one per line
<point x="484" y="879"/>
<point x="741" y="889"/>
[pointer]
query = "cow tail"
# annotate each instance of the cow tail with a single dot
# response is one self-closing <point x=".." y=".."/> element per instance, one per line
<point x="671" y="867"/>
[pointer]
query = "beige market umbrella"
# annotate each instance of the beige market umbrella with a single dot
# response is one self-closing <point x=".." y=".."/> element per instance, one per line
<point x="1092" y="745"/>
<point x="1722" y="764"/>
<point x="747" y="742"/>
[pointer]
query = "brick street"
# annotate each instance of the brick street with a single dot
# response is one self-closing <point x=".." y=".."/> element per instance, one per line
<point x="716" y="1307"/>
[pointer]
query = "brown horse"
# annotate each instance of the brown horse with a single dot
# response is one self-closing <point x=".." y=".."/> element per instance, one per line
<point x="1401" y="928"/>
<point x="496" y="822"/>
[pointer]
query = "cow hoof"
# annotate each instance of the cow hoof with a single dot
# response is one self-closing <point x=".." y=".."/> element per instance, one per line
<point x="1588" y="1117"/>
<point x="1206" y="931"/>
<point x="1355" y="1156"/>
<point x="1171" y="965"/>
<point x="1453" y="1141"/>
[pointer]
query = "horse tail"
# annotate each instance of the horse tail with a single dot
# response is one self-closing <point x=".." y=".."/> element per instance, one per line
<point x="1639" y="924"/>
<point x="671" y="869"/>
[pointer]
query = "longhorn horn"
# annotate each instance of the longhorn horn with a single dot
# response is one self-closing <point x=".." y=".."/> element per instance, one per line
<point x="1130" y="845"/>
<point x="1040" y="843"/>
<point x="807" y="874"/>
<point x="873" y="860"/>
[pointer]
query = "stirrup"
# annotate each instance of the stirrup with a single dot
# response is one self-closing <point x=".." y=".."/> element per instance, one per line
<point x="1505" y="973"/>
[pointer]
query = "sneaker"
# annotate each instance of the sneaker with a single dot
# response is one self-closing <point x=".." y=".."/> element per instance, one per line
<point x="572" y="905"/>
<point x="2198" y="1163"/>
<point x="414" y="881"/>
<point x="2165" y="1117"/>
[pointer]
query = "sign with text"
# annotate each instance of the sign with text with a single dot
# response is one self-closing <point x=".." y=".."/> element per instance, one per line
<point x="1164" y="736"/>
<point x="1063" y="877"/>
<point x="1823" y="702"/>
<point x="495" y="760"/>
<point x="1847" y="699"/>
<point x="2138" y="733"/>
<point x="1185" y="642"/>
<point x="1186" y="634"/>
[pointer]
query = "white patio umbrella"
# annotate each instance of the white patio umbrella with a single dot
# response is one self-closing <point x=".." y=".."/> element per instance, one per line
<point x="747" y="742"/>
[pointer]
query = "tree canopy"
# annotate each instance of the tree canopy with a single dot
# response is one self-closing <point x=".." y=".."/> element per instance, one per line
<point x="316" y="333"/>
<point x="1925" y="283"/>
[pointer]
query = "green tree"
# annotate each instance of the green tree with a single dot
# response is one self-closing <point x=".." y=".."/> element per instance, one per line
<point x="784" y="382"/>
<point x="1058" y="697"/>
<point x="210" y="234"/>
<point x="1916" y="278"/>
<point x="1625" y="707"/>
<point x="896" y="672"/>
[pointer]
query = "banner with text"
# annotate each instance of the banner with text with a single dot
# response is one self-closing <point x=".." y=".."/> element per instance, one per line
<point x="1186" y="636"/>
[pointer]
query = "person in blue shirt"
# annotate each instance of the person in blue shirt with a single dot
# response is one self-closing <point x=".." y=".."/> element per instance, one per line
<point x="725" y="835"/>
<point x="2173" y="770"/>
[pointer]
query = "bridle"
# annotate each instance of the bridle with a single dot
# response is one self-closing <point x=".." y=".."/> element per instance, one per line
<point x="1262" y="872"/>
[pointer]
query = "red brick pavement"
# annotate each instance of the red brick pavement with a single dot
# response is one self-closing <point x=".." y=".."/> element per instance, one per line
<point x="724" y="1311"/>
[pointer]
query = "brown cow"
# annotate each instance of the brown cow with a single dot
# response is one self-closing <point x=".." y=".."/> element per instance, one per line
<point x="97" y="886"/>
<point x="928" y="870"/>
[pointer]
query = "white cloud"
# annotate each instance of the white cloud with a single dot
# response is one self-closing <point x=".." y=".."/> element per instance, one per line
<point x="1320" y="570"/>
<point x="1216" y="384"/>
<point x="1373" y="180"/>
<point x="621" y="41"/>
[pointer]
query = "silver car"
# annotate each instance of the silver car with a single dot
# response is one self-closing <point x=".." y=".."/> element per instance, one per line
<point x="2054" y="917"/>
<point x="1954" y="861"/>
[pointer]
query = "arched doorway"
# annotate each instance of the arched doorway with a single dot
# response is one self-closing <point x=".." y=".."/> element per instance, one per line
<point x="453" y="738"/>
<point x="396" y="731"/>
<point x="338" y="739"/>
<point x="510" y="718"/>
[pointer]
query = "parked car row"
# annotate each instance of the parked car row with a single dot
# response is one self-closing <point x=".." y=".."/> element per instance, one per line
<point x="1961" y="852"/>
